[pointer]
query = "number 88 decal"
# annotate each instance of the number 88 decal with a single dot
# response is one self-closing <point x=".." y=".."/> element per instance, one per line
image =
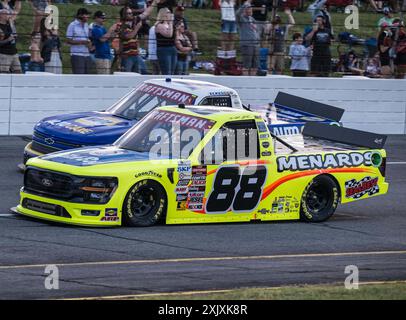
<point x="239" y="191"/>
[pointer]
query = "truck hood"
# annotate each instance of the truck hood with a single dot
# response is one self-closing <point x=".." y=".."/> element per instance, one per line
<point x="85" y="128"/>
<point x="89" y="156"/>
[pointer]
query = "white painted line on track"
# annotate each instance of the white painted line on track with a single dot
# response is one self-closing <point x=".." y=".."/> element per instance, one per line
<point x="209" y="259"/>
<point x="7" y="214"/>
<point x="396" y="162"/>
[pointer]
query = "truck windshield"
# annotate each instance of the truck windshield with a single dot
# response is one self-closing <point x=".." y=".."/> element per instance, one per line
<point x="166" y="134"/>
<point x="147" y="97"/>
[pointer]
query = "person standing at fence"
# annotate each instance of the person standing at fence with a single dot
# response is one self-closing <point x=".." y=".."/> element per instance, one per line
<point x="249" y="40"/>
<point x="38" y="7"/>
<point x="179" y="16"/>
<point x="36" y="62"/>
<point x="78" y="37"/>
<point x="165" y="37"/>
<point x="51" y="51"/>
<point x="384" y="43"/>
<point x="400" y="50"/>
<point x="184" y="47"/>
<point x="228" y="25"/>
<point x="319" y="8"/>
<point x="320" y="37"/>
<point x="128" y="29"/>
<point x="260" y="14"/>
<point x="9" y="61"/>
<point x="277" y="35"/>
<point x="152" y="56"/>
<point x="387" y="17"/>
<point x="14" y="8"/>
<point x="101" y="40"/>
<point x="300" y="56"/>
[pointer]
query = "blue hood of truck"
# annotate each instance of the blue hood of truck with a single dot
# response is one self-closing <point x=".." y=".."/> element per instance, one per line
<point x="85" y="128"/>
<point x="89" y="156"/>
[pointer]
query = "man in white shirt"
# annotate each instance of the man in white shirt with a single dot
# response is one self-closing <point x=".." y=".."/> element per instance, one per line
<point x="78" y="37"/>
<point x="228" y="24"/>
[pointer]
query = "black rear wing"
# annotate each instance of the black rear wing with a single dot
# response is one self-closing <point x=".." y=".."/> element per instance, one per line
<point x="308" y="107"/>
<point x="344" y="135"/>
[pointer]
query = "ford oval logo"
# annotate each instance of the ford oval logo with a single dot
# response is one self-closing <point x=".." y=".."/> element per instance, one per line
<point x="47" y="182"/>
<point x="49" y="141"/>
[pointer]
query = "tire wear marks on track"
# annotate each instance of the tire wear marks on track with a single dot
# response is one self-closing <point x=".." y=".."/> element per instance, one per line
<point x="64" y="244"/>
<point x="155" y="242"/>
<point x="87" y="283"/>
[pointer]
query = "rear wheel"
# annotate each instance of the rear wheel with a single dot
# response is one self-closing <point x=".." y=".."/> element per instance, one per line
<point x="319" y="200"/>
<point x="145" y="204"/>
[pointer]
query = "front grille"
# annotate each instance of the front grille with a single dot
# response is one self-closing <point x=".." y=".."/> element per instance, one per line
<point x="47" y="208"/>
<point x="43" y="148"/>
<point x="67" y="145"/>
<point x="48" y="183"/>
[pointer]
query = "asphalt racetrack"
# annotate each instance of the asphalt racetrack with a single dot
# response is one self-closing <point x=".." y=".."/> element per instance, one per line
<point x="370" y="234"/>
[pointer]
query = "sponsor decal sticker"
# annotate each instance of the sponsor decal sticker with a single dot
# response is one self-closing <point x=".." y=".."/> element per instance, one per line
<point x="199" y="194"/>
<point x="182" y="183"/>
<point x="181" y="189"/>
<point x="286" y="204"/>
<point x="319" y="161"/>
<point x="265" y="144"/>
<point x="68" y="125"/>
<point x="195" y="199"/>
<point x="110" y="214"/>
<point x="198" y="182"/>
<point x="195" y="206"/>
<point x="168" y="94"/>
<point x="263" y="211"/>
<point x="286" y="130"/>
<point x="357" y="189"/>
<point x="184" y="175"/>
<point x="197" y="188"/>
<point x="199" y="170"/>
<point x="181" y="206"/>
<point x="148" y="173"/>
<point x="99" y="121"/>
<point x="261" y="126"/>
<point x="181" y="197"/>
<point x="193" y="122"/>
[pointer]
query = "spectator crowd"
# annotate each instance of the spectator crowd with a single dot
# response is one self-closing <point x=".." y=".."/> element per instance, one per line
<point x="155" y="37"/>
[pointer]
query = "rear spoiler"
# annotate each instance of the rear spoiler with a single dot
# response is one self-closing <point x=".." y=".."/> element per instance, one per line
<point x="344" y="135"/>
<point x="289" y="105"/>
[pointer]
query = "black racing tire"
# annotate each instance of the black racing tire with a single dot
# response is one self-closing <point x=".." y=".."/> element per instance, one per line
<point x="145" y="204"/>
<point x="319" y="199"/>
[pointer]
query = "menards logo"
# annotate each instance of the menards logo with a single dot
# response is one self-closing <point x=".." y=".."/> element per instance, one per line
<point x="319" y="161"/>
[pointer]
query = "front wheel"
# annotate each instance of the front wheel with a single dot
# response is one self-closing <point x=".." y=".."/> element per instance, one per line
<point x="145" y="204"/>
<point x="319" y="200"/>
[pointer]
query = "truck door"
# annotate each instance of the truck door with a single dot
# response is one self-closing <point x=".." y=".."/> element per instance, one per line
<point x="236" y="176"/>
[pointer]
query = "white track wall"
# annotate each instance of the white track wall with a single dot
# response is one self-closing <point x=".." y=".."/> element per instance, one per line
<point x="371" y="104"/>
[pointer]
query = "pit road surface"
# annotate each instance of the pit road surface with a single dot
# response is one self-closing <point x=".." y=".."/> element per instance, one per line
<point x="370" y="234"/>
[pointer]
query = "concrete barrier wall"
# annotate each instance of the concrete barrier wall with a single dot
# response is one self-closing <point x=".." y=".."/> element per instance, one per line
<point x="371" y="104"/>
